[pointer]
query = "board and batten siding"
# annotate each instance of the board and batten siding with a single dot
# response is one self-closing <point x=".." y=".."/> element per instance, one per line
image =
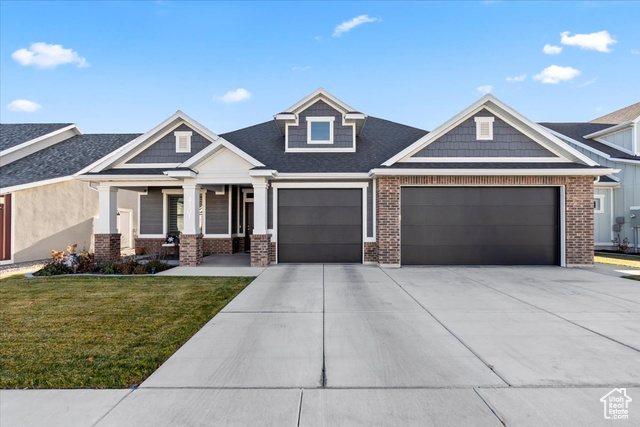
<point x="151" y="215"/>
<point x="604" y="220"/>
<point x="623" y="139"/>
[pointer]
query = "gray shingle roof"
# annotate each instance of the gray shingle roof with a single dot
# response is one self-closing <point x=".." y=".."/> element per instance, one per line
<point x="62" y="159"/>
<point x="620" y="116"/>
<point x="15" y="134"/>
<point x="576" y="131"/>
<point x="378" y="141"/>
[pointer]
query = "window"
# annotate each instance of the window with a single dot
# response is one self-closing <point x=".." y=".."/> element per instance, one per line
<point x="484" y="128"/>
<point x="320" y="130"/>
<point x="598" y="204"/>
<point x="183" y="141"/>
<point x="176" y="214"/>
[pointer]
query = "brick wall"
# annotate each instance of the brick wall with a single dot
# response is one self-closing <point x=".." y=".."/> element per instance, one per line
<point x="260" y="250"/>
<point x="370" y="252"/>
<point x="241" y="241"/>
<point x="578" y="210"/>
<point x="191" y="249"/>
<point x="107" y="247"/>
<point x="217" y="246"/>
<point x="151" y="246"/>
<point x="272" y="252"/>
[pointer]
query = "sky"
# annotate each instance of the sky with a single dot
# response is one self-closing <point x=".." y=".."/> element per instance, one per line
<point x="126" y="66"/>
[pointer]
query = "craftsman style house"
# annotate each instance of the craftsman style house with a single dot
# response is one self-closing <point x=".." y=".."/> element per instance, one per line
<point x="322" y="182"/>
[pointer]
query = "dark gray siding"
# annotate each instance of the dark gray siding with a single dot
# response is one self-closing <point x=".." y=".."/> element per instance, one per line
<point x="234" y="209"/>
<point x="217" y="209"/>
<point x="151" y="212"/>
<point x="164" y="150"/>
<point x="342" y="135"/>
<point x="370" y="209"/>
<point x="461" y="142"/>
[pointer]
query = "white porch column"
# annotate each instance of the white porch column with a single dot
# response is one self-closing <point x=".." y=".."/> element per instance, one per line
<point x="191" y="208"/>
<point x="260" y="207"/>
<point x="107" y="209"/>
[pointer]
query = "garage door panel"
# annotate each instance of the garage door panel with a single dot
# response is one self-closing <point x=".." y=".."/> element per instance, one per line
<point x="320" y="253"/>
<point x="478" y="215"/>
<point x="337" y="234"/>
<point x="319" y="197"/>
<point x="462" y="235"/>
<point x="480" y="225"/>
<point x="320" y="225"/>
<point x="312" y="215"/>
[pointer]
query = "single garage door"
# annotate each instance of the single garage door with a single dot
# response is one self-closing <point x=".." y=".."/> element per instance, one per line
<point x="480" y="226"/>
<point x="320" y="225"/>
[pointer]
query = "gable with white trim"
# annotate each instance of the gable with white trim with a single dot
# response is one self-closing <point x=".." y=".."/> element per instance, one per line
<point x="176" y="146"/>
<point x="513" y="139"/>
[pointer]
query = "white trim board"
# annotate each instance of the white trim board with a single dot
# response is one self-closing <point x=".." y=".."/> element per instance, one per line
<point x="492" y="172"/>
<point x="35" y="184"/>
<point x="595" y="151"/>
<point x="34" y="145"/>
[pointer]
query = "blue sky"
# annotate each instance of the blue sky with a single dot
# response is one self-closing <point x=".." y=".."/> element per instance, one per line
<point x="126" y="66"/>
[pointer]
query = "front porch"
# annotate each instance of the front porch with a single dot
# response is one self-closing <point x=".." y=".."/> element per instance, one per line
<point x="231" y="265"/>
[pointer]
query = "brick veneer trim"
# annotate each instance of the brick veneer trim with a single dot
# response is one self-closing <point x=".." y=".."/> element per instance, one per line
<point x="578" y="209"/>
<point x="191" y="250"/>
<point x="260" y="250"/>
<point x="107" y="247"/>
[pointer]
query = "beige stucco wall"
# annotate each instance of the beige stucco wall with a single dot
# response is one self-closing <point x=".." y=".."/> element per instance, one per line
<point x="58" y="215"/>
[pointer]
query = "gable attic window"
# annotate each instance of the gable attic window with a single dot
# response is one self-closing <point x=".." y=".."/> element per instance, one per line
<point x="484" y="128"/>
<point x="320" y="130"/>
<point x="183" y="141"/>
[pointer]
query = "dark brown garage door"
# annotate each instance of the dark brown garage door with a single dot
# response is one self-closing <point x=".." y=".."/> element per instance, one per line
<point x="320" y="225"/>
<point x="480" y="226"/>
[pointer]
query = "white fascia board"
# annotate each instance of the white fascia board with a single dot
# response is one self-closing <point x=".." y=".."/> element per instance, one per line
<point x="4" y="190"/>
<point x="477" y="106"/>
<point x="326" y="175"/>
<point x="23" y="145"/>
<point x="269" y="173"/>
<point x="146" y="165"/>
<point x="607" y="184"/>
<point x="594" y="150"/>
<point x="181" y="174"/>
<point x="320" y="92"/>
<point x="126" y="149"/>
<point x="214" y="147"/>
<point x="491" y="172"/>
<point x="607" y="131"/>
<point x="286" y="116"/>
<point x="140" y="179"/>
<point x="355" y="116"/>
<point x="320" y="184"/>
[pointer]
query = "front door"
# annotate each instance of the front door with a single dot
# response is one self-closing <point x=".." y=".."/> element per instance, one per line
<point x="248" y="230"/>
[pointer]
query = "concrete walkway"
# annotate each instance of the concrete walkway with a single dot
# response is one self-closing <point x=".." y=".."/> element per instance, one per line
<point x="235" y="265"/>
<point x="324" y="345"/>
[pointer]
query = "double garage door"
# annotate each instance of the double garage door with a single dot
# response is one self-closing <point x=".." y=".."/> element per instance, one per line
<point x="480" y="226"/>
<point x="439" y="226"/>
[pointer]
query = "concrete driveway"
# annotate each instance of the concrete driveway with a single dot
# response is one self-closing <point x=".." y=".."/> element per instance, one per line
<point x="324" y="345"/>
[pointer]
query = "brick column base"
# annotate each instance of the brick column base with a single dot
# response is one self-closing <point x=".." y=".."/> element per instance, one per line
<point x="260" y="250"/>
<point x="107" y="247"/>
<point x="370" y="253"/>
<point x="191" y="250"/>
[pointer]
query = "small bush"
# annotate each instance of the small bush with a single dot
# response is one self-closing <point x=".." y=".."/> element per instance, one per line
<point x="110" y="267"/>
<point x="53" y="269"/>
<point x="128" y="266"/>
<point x="156" y="266"/>
<point x="140" y="269"/>
<point x="87" y="263"/>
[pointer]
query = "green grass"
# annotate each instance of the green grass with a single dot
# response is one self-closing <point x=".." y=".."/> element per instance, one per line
<point x="618" y="259"/>
<point x="100" y="332"/>
<point x="632" y="277"/>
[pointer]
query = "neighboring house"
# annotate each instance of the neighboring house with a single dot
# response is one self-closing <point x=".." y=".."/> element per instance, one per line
<point x="41" y="206"/>
<point x="612" y="140"/>
<point x="323" y="182"/>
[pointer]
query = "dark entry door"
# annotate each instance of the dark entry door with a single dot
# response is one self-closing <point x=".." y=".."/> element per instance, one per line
<point x="480" y="226"/>
<point x="249" y="226"/>
<point x="320" y="225"/>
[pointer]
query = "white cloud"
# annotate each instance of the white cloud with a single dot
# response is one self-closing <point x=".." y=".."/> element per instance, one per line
<point x="237" y="95"/>
<point x="599" y="41"/>
<point x="347" y="26"/>
<point x="23" y="106"/>
<point x="588" y="82"/>
<point x="635" y="52"/>
<point x="43" y="55"/>
<point x="551" y="50"/>
<point x="517" y="79"/>
<point x="484" y="89"/>
<point x="305" y="68"/>
<point x="555" y="74"/>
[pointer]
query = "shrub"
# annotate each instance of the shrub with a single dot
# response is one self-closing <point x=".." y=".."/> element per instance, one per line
<point x="156" y="266"/>
<point x="86" y="264"/>
<point x="128" y="266"/>
<point x="140" y="269"/>
<point x="110" y="267"/>
<point x="53" y="269"/>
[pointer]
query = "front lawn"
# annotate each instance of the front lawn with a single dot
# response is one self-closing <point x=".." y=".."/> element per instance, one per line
<point x="618" y="259"/>
<point x="100" y="332"/>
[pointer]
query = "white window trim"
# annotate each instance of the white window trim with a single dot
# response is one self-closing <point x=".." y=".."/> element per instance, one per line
<point x="310" y="120"/>
<point x="601" y="198"/>
<point x="179" y="134"/>
<point x="479" y="121"/>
